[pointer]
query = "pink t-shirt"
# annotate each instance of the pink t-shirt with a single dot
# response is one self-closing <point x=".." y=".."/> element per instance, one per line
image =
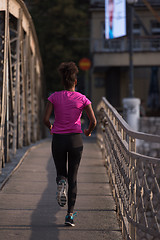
<point x="68" y="107"/>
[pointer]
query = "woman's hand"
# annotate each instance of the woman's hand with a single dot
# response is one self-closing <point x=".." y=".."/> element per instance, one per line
<point x="51" y="129"/>
<point x="47" y="114"/>
<point x="92" y="120"/>
<point x="86" y="132"/>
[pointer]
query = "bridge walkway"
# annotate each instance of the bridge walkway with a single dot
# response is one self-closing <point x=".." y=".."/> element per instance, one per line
<point x="28" y="208"/>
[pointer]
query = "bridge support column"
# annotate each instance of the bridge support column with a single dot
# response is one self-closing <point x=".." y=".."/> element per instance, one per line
<point x="131" y="112"/>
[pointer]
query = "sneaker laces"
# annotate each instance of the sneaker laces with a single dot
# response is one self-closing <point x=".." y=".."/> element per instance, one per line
<point x="74" y="215"/>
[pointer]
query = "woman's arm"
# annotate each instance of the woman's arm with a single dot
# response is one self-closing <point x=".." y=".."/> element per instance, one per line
<point x="47" y="114"/>
<point x="92" y="119"/>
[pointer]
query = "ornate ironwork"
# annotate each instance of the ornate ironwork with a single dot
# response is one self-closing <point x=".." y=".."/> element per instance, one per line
<point x="134" y="178"/>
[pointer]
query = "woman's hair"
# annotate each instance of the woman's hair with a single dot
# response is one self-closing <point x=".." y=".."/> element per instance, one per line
<point x="68" y="72"/>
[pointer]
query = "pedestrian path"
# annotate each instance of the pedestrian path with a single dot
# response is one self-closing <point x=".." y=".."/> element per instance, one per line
<point x="28" y="208"/>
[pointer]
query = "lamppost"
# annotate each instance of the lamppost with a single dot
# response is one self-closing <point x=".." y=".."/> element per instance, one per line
<point x="131" y="72"/>
<point x="131" y="105"/>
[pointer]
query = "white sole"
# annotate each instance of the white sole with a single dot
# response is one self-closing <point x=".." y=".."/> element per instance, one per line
<point x="70" y="224"/>
<point x="61" y="195"/>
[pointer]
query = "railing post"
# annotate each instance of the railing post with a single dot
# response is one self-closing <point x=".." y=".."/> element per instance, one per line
<point x="27" y="102"/>
<point x="4" y="90"/>
<point x="22" y="125"/>
<point x="132" y="188"/>
<point x="16" y="131"/>
<point x="33" y="105"/>
<point x="25" y="82"/>
<point x="20" y="84"/>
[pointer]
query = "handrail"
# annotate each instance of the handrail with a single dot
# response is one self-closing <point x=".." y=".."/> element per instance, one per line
<point x="134" y="177"/>
<point x="128" y="129"/>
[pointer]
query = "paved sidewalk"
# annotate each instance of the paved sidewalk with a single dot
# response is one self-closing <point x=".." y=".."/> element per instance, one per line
<point x="28" y="208"/>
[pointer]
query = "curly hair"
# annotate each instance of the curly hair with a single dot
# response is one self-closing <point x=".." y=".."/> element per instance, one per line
<point x="68" y="72"/>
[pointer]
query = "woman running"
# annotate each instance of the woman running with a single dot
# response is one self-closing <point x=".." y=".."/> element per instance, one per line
<point x="67" y="145"/>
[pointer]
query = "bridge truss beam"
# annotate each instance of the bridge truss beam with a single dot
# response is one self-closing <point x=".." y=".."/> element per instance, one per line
<point x="21" y="80"/>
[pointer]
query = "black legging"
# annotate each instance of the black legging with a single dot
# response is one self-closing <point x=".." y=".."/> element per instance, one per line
<point x="68" y="146"/>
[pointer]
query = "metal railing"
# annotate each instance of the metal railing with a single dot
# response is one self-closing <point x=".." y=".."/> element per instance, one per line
<point x="122" y="45"/>
<point x="134" y="178"/>
<point x="21" y="80"/>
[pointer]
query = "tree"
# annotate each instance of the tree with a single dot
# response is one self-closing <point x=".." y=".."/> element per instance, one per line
<point x="63" y="31"/>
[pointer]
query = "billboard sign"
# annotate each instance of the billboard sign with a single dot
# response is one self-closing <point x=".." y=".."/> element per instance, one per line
<point x="115" y="18"/>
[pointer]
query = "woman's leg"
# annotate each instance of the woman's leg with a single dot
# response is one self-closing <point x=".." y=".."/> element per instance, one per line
<point x="59" y="153"/>
<point x="60" y="158"/>
<point x="74" y="158"/>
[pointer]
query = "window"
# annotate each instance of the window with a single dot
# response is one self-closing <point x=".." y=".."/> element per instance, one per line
<point x="155" y="30"/>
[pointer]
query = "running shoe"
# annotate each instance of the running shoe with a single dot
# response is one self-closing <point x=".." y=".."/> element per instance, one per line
<point x="69" y="220"/>
<point x="61" y="193"/>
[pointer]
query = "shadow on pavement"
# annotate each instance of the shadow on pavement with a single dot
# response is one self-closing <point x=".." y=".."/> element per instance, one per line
<point x="43" y="222"/>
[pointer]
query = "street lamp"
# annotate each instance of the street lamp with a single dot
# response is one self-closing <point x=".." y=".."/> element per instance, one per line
<point x="131" y="104"/>
<point x="131" y="72"/>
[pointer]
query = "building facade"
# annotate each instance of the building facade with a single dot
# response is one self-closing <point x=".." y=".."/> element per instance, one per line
<point x="111" y="58"/>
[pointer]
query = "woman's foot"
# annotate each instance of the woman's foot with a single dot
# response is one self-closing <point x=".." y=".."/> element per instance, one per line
<point x="69" y="219"/>
<point x="61" y="193"/>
